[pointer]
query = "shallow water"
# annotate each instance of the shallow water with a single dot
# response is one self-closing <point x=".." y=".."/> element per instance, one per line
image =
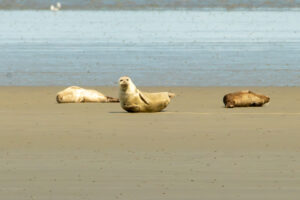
<point x="178" y="48"/>
<point x="151" y="4"/>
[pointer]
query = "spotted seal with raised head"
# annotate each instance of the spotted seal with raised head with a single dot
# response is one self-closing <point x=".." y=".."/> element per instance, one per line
<point x="133" y="100"/>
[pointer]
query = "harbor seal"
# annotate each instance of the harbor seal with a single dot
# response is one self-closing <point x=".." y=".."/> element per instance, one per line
<point x="244" y="98"/>
<point x="133" y="100"/>
<point x="76" y="94"/>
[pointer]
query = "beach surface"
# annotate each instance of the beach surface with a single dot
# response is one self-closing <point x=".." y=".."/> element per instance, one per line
<point x="195" y="149"/>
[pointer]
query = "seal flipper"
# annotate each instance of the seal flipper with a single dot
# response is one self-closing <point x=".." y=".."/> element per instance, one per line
<point x="144" y="99"/>
<point x="229" y="104"/>
<point x="257" y="104"/>
<point x="82" y="100"/>
<point x="112" y="100"/>
<point x="132" y="109"/>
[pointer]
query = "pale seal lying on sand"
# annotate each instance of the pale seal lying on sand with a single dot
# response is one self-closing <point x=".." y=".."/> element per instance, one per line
<point x="76" y="94"/>
<point x="244" y="99"/>
<point x="133" y="100"/>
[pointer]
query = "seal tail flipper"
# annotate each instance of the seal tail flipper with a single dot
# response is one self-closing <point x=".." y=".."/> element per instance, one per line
<point x="171" y="95"/>
<point x="112" y="100"/>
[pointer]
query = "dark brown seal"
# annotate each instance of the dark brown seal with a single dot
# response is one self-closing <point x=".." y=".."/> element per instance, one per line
<point x="244" y="99"/>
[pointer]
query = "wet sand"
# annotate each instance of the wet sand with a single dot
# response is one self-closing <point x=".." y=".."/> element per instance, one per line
<point x="196" y="149"/>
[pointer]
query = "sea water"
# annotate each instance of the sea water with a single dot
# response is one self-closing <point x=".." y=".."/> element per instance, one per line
<point x="155" y="48"/>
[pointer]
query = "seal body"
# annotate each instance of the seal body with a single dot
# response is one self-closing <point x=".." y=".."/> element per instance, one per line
<point x="133" y="100"/>
<point x="76" y="94"/>
<point x="244" y="98"/>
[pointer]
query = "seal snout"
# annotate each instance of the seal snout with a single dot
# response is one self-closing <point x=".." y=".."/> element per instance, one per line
<point x="267" y="99"/>
<point x="124" y="81"/>
<point x="123" y="84"/>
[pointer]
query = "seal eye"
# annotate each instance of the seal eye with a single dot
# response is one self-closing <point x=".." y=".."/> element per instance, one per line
<point x="127" y="79"/>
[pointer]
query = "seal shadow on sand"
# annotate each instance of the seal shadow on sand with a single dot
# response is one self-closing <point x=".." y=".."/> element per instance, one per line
<point x="124" y="112"/>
